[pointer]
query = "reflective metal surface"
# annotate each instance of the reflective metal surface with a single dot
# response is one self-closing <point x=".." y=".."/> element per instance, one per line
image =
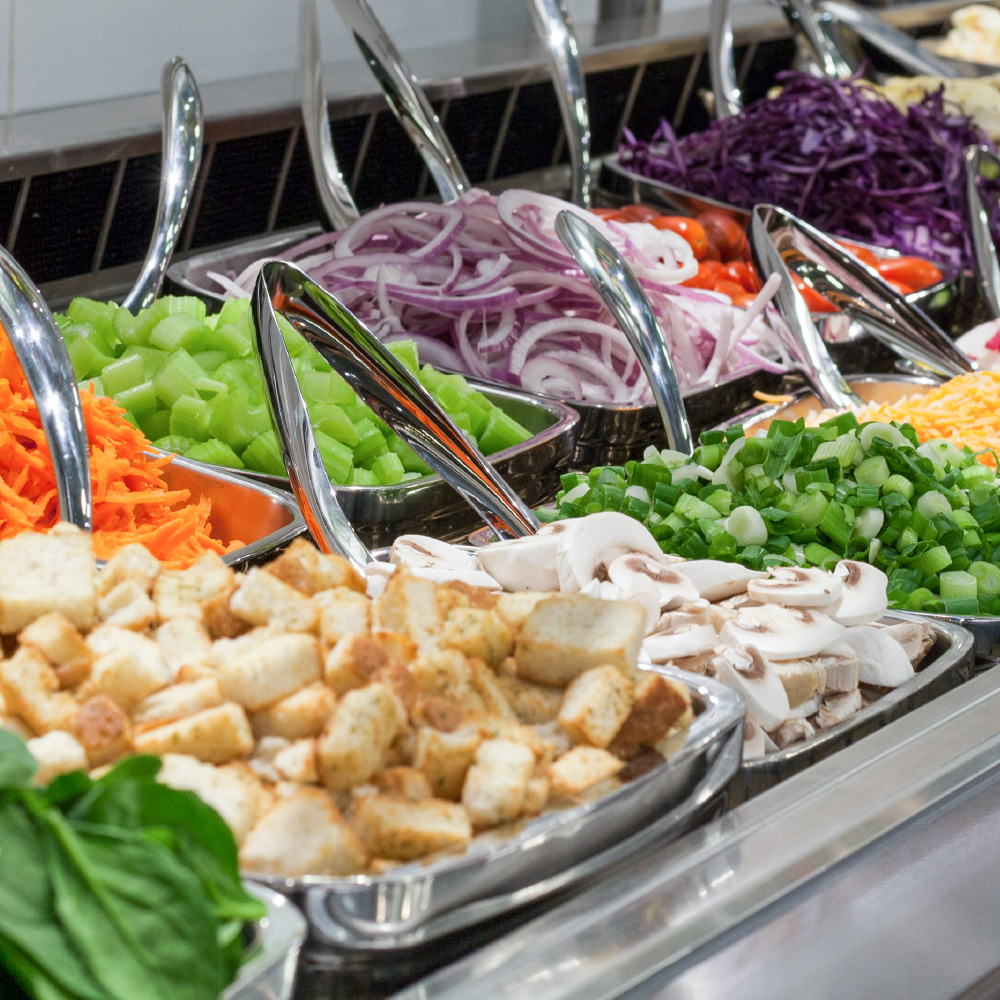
<point x="334" y="194"/>
<point x="727" y="98"/>
<point x="395" y="396"/>
<point x="823" y="37"/>
<point x="40" y="349"/>
<point x="183" y="139"/>
<point x="798" y="331"/>
<point x="614" y="281"/>
<point x="419" y="902"/>
<point x="405" y="97"/>
<point x="981" y="161"/>
<point x="555" y="28"/>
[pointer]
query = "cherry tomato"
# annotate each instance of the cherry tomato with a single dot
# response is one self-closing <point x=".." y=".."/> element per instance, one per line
<point x="637" y="213"/>
<point x="606" y="214"/>
<point x="740" y="273"/>
<point x="730" y="288"/>
<point x="712" y="252"/>
<point x="692" y="231"/>
<point x="900" y="286"/>
<point x="815" y="301"/>
<point x="744" y="301"/>
<point x="708" y="274"/>
<point x="910" y="271"/>
<point x="725" y="232"/>
<point x="862" y="253"/>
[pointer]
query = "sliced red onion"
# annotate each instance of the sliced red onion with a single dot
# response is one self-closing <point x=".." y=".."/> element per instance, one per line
<point x="551" y="377"/>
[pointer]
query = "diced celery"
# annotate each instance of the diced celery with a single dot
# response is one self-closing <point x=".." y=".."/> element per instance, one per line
<point x="450" y="399"/>
<point x="214" y="452"/>
<point x="177" y="378"/>
<point x="233" y="312"/>
<point x="155" y="425"/>
<point x="124" y="373"/>
<point x="190" y="417"/>
<point x="209" y="388"/>
<point x="174" y="443"/>
<point x="86" y="358"/>
<point x="337" y="458"/>
<point x="332" y="420"/>
<point x="412" y="462"/>
<point x="371" y="442"/>
<point x="210" y="360"/>
<point x="264" y="455"/>
<point x="179" y="330"/>
<point x="364" y="477"/>
<point x="406" y="351"/>
<point x="232" y="340"/>
<point x="153" y="359"/>
<point x="501" y="432"/>
<point x="94" y="385"/>
<point x="99" y="314"/>
<point x="140" y="399"/>
<point x="388" y="469"/>
<point x="431" y="378"/>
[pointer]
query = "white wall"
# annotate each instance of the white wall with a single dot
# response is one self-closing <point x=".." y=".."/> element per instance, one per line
<point x="65" y="52"/>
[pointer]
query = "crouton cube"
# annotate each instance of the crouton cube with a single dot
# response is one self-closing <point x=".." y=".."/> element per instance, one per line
<point x="43" y="573"/>
<point x="492" y="727"/>
<point x="262" y="599"/>
<point x="56" y="753"/>
<point x="536" y="795"/>
<point x="497" y="783"/>
<point x="186" y="591"/>
<point x="595" y="705"/>
<point x="127" y="605"/>
<point x="103" y="730"/>
<point x="355" y="659"/>
<point x="342" y="612"/>
<point x="437" y="712"/>
<point x="233" y="791"/>
<point x="413" y="607"/>
<point x="567" y="634"/>
<point x="214" y="735"/>
<point x="297" y="762"/>
<point x="658" y="705"/>
<point x="303" y="834"/>
<point x="491" y="691"/>
<point x="477" y="632"/>
<point x="404" y="831"/>
<point x="308" y="570"/>
<point x="184" y="641"/>
<point x="447" y="674"/>
<point x="554" y="739"/>
<point x="270" y="670"/>
<point x="176" y="701"/>
<point x="404" y="783"/>
<point x="382" y="866"/>
<point x="354" y="743"/>
<point x="132" y="563"/>
<point x="58" y="640"/>
<point x="31" y="689"/>
<point x="532" y="703"/>
<point x="579" y="769"/>
<point x="128" y="667"/>
<point x="261" y="761"/>
<point x="303" y="713"/>
<point x="219" y="619"/>
<point x="515" y="608"/>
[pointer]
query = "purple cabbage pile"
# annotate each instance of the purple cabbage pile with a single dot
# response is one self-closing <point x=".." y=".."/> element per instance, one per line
<point x="838" y="155"/>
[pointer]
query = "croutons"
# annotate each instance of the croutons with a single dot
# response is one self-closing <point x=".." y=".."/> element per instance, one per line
<point x="56" y="753"/>
<point x="103" y="730"/>
<point x="132" y="563"/>
<point x="659" y="704"/>
<point x="404" y="783"/>
<point x="447" y="674"/>
<point x="354" y="742"/>
<point x="215" y="735"/>
<point x="358" y="657"/>
<point x="496" y="784"/>
<point x="579" y="769"/>
<point x="31" y="689"/>
<point x="43" y="573"/>
<point x="413" y="607"/>
<point x="128" y="667"/>
<point x="187" y="591"/>
<point x="303" y="713"/>
<point x="595" y="705"/>
<point x="477" y="632"/>
<point x="184" y="642"/>
<point x="262" y="599"/>
<point x="308" y="570"/>
<point x="303" y="834"/>
<point x="297" y="762"/>
<point x="532" y="703"/>
<point x="570" y="633"/>
<point x="266" y="671"/>
<point x="342" y="612"/>
<point x="176" y="701"/>
<point x="127" y="605"/>
<point x="58" y="640"/>
<point x="399" y="830"/>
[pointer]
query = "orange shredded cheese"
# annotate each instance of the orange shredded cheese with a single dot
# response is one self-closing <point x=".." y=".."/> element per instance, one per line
<point x="130" y="497"/>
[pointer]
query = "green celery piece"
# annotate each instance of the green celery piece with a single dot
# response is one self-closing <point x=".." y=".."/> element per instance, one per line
<point x="179" y="330"/>
<point x="388" y="469"/>
<point x="156" y="425"/>
<point x="237" y="421"/>
<point x="86" y="357"/>
<point x="462" y="422"/>
<point x="449" y="398"/>
<point x="501" y="432"/>
<point x="431" y="378"/>
<point x="130" y="330"/>
<point x="412" y="462"/>
<point x="262" y="454"/>
<point x="124" y="373"/>
<point x="214" y="452"/>
<point x="153" y="359"/>
<point x="177" y="377"/>
<point x="233" y="313"/>
<point x="190" y="417"/>
<point x="94" y="385"/>
<point x="100" y="315"/>
<point x="174" y="443"/>
<point x="371" y="442"/>
<point x="140" y="400"/>
<point x="406" y="351"/>
<point x="210" y="360"/>
<point x="364" y="477"/>
<point x="478" y="407"/>
<point x="331" y="419"/>
<point x="338" y="459"/>
<point x="232" y="341"/>
<point x="209" y="388"/>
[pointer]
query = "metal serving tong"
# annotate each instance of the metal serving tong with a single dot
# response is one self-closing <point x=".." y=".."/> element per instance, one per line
<point x="618" y="286"/>
<point x="728" y="100"/>
<point x="981" y="161"/>
<point x="41" y="352"/>
<point x="386" y="385"/>
<point x="183" y="139"/>
<point x="858" y="291"/>
<point x="555" y="28"/>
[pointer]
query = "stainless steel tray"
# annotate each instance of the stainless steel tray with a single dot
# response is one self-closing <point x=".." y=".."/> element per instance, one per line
<point x="419" y="903"/>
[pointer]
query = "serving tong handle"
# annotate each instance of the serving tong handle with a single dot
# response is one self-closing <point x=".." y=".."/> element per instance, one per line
<point x="555" y="28"/>
<point x="386" y="385"/>
<point x="618" y="286"/>
<point x="183" y="140"/>
<point x="861" y="293"/>
<point x="40" y="349"/>
<point x="727" y="97"/>
<point x="981" y="161"/>
<point x="823" y="38"/>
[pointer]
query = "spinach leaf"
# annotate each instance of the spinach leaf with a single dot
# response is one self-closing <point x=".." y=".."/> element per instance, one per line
<point x="17" y="766"/>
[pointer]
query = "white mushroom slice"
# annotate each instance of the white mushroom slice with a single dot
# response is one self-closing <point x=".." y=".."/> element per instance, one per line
<point x="793" y="731"/>
<point x="807" y="708"/>
<point x="863" y="599"/>
<point x="439" y="561"/>
<point x="679" y="642"/>
<point x="838" y="709"/>
<point x="738" y="601"/>
<point x="376" y="577"/>
<point x="769" y="745"/>
<point x="747" y="671"/>
<point x="701" y="664"/>
<point x="781" y="633"/>
<point x="839" y="663"/>
<point x="796" y="587"/>
<point x="603" y="590"/>
<point x="698" y="612"/>
<point x="523" y="563"/>
<point x="916" y="638"/>
<point x="716" y="580"/>
<point x="591" y="544"/>
<point x="882" y="661"/>
<point x="802" y="679"/>
<point x="635" y="569"/>
<point x="644" y="593"/>
<point x="753" y="739"/>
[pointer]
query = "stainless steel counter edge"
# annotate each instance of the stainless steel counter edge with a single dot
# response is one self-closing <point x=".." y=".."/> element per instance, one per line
<point x="622" y="931"/>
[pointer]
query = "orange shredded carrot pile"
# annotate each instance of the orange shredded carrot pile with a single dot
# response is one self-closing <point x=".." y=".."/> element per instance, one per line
<point x="965" y="411"/>
<point x="130" y="497"/>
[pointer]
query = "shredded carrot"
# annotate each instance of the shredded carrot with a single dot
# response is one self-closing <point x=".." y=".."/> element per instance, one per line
<point x="130" y="496"/>
<point x="965" y="411"/>
<point x="767" y="397"/>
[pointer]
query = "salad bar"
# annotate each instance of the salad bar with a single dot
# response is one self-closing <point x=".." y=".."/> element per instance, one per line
<point x="509" y="592"/>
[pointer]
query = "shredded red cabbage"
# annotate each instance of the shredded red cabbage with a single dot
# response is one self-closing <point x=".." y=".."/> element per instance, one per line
<point x="839" y="155"/>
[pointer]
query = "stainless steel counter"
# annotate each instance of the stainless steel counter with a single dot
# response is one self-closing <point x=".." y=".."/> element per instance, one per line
<point x="876" y="873"/>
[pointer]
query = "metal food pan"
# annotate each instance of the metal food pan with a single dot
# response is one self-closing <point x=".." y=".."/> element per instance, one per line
<point x="948" y="663"/>
<point x="419" y="903"/>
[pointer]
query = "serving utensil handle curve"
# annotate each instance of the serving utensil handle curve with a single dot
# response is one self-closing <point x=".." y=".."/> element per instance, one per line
<point x="728" y="99"/>
<point x="984" y="249"/>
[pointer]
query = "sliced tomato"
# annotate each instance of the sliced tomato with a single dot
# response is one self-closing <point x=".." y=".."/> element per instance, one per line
<point x="606" y="213"/>
<point x="901" y="286"/>
<point x="862" y="253"/>
<point x="725" y="232"/>
<point x="708" y="274"/>
<point x="744" y="301"/>
<point x="692" y="231"/>
<point x="912" y="271"/>
<point x="738" y="271"/>
<point x="815" y="301"/>
<point x="731" y="288"/>
<point x="637" y="213"/>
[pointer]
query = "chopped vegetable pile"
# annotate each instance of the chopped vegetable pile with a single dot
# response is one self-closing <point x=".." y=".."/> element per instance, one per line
<point x="130" y="497"/>
<point x="189" y="381"/>
<point x="927" y="514"/>
<point x="118" y="889"/>
<point x="838" y="154"/>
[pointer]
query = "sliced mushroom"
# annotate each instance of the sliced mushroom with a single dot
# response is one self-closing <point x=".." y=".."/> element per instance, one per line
<point x="635" y="569"/>
<point x="807" y="708"/>
<point x="716" y="580"/>
<point x="802" y="679"/>
<point x="796" y="587"/>
<point x="738" y="601"/>
<point x="679" y="642"/>
<point x="523" y="563"/>
<point x="585" y="550"/>
<point x="840" y="668"/>
<point x="781" y="633"/>
<point x="916" y="638"/>
<point x="863" y="599"/>
<point x="753" y="739"/>
<point x="838" y="708"/>
<point x="697" y="611"/>
<point x="439" y="561"/>
<point x="793" y="731"/>
<point x="644" y="592"/>
<point x="882" y="661"/>
<point x="700" y="664"/>
<point x="747" y="670"/>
